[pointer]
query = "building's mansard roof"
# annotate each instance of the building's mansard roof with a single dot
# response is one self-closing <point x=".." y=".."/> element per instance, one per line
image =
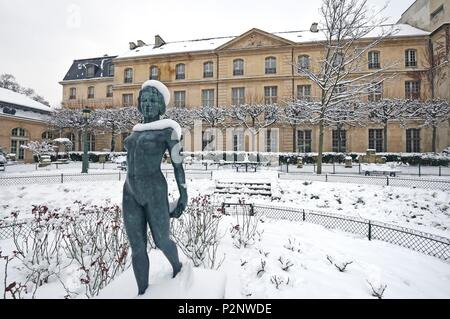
<point x="295" y="37"/>
<point x="78" y="70"/>
<point x="19" y="106"/>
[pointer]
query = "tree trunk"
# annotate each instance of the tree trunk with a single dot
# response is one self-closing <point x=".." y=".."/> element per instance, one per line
<point x="385" y="137"/>
<point x="113" y="142"/>
<point x="339" y="139"/>
<point x="433" y="141"/>
<point x="294" y="139"/>
<point x="319" y="158"/>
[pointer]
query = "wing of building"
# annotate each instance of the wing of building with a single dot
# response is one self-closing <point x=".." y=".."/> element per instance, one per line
<point x="22" y="120"/>
<point x="259" y="66"/>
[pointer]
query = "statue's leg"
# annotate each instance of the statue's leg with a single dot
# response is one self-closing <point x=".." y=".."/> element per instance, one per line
<point x="159" y="222"/>
<point x="136" y="227"/>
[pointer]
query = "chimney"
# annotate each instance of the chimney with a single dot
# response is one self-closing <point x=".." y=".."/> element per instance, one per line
<point x="159" y="42"/>
<point x="133" y="46"/>
<point x="141" y="43"/>
<point x="314" y="27"/>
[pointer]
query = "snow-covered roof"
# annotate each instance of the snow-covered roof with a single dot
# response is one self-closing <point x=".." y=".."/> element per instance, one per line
<point x="11" y="97"/>
<point x="402" y="30"/>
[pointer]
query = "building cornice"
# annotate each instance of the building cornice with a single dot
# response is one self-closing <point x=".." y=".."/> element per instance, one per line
<point x="83" y="81"/>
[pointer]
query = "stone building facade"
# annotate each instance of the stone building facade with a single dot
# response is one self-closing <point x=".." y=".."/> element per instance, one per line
<point x="258" y="66"/>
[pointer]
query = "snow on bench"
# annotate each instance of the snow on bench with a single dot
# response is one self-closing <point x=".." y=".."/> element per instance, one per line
<point x="374" y="169"/>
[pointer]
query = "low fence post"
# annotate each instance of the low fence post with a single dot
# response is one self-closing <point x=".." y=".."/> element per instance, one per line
<point x="334" y="167"/>
<point x="359" y="168"/>
<point x="287" y="167"/>
<point x="314" y="167"/>
<point x="440" y="172"/>
<point x="387" y="180"/>
<point x="304" y="217"/>
<point x="370" y="230"/>
<point x="120" y="176"/>
<point x="420" y="173"/>
<point x="62" y="178"/>
<point x="211" y="175"/>
<point x="326" y="177"/>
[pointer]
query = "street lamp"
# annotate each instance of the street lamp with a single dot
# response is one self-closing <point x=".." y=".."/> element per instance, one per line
<point x="86" y="116"/>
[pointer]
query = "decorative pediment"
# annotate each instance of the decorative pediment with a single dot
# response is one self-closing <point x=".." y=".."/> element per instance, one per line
<point x="255" y="38"/>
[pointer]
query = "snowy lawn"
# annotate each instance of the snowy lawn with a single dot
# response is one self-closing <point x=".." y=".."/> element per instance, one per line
<point x="421" y="209"/>
<point x="310" y="256"/>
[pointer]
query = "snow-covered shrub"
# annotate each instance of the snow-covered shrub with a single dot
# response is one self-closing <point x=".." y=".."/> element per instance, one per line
<point x="95" y="239"/>
<point x="245" y="229"/>
<point x="377" y="288"/>
<point x="197" y="233"/>
<point x="340" y="265"/>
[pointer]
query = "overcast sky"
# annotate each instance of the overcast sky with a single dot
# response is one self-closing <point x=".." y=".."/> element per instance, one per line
<point x="40" y="39"/>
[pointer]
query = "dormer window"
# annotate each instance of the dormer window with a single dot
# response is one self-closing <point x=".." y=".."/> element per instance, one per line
<point x="90" y="71"/>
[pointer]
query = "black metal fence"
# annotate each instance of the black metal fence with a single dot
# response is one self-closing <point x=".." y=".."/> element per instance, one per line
<point x="441" y="184"/>
<point x="425" y="243"/>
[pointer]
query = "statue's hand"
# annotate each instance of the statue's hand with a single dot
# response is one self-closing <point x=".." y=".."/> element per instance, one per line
<point x="181" y="206"/>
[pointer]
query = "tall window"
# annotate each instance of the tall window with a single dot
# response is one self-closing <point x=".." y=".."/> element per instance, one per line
<point x="238" y="67"/>
<point x="413" y="140"/>
<point x="338" y="60"/>
<point x="304" y="141"/>
<point x="343" y="141"/>
<point x="375" y="92"/>
<point x="111" y="69"/>
<point x="208" y="71"/>
<point x="90" y="71"/>
<point x="339" y="88"/>
<point x="180" y="99"/>
<point x="91" y="92"/>
<point x="304" y="92"/>
<point x="271" y="65"/>
<point x="303" y="62"/>
<point x="91" y="140"/>
<point x="374" y="60"/>
<point x="412" y="90"/>
<point x="73" y="94"/>
<point x="208" y="98"/>
<point x="376" y="140"/>
<point x="238" y="140"/>
<point x="154" y="73"/>
<point x="127" y="100"/>
<point x="109" y="91"/>
<point x="410" y="58"/>
<point x="270" y="94"/>
<point x="180" y="70"/>
<point x="271" y="140"/>
<point x="47" y="136"/>
<point x="19" y="137"/>
<point x="128" y="75"/>
<point x="237" y="96"/>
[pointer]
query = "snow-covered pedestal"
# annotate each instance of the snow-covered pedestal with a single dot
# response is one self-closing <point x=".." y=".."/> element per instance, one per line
<point x="191" y="283"/>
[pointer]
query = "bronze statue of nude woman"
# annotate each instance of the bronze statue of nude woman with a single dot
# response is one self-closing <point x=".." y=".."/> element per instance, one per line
<point x="145" y="197"/>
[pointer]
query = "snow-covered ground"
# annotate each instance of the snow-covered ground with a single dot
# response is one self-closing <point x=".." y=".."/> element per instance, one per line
<point x="314" y="255"/>
<point x="421" y="209"/>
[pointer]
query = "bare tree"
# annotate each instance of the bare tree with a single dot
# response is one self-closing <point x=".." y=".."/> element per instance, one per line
<point x="296" y="113"/>
<point x="350" y="31"/>
<point x="387" y="110"/>
<point x="255" y="117"/>
<point x="433" y="113"/>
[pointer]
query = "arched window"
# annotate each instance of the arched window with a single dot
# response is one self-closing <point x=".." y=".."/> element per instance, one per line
<point x="271" y="65"/>
<point x="47" y="136"/>
<point x="154" y="73"/>
<point x="303" y="62"/>
<point x="238" y="67"/>
<point x="208" y="71"/>
<point x="91" y="142"/>
<point x="180" y="71"/>
<point x="19" y="137"/>
<point x="374" y="60"/>
<point x="128" y="75"/>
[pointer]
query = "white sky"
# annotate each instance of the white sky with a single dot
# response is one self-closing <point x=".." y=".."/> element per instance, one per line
<point x="40" y="39"/>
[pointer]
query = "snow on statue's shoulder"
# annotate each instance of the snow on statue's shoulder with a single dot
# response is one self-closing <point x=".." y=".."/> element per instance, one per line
<point x="159" y="125"/>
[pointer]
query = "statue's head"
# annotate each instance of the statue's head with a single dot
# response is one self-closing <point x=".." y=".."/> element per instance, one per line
<point x="153" y="99"/>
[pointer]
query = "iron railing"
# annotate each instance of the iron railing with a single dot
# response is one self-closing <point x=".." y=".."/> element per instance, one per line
<point x="425" y="243"/>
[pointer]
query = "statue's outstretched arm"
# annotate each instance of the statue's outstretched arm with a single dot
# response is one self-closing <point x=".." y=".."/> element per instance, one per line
<point x="174" y="147"/>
